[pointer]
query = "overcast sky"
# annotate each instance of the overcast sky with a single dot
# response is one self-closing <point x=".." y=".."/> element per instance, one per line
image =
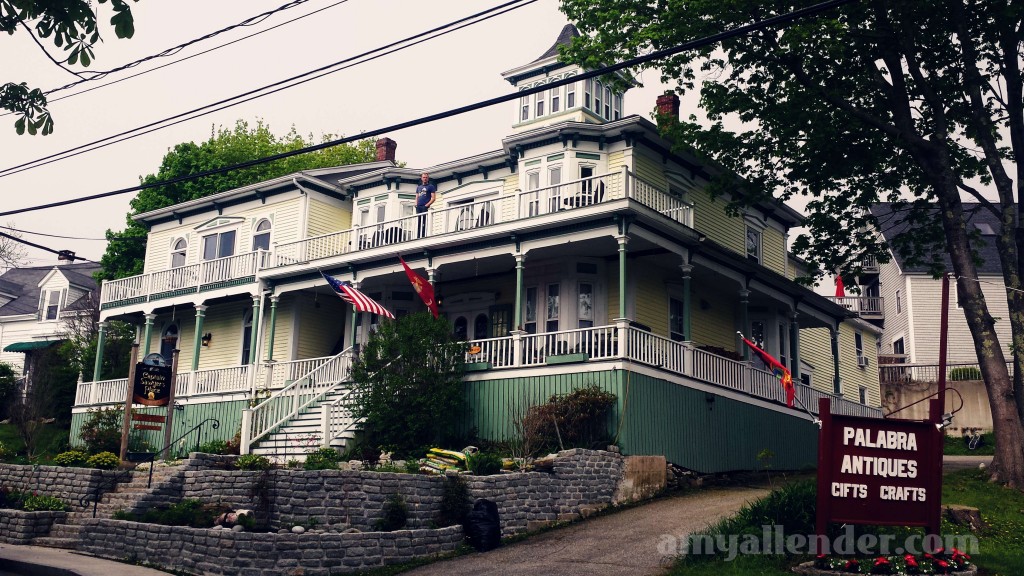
<point x="456" y="69"/>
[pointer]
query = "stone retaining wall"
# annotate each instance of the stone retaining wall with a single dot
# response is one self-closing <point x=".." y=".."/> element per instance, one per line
<point x="227" y="553"/>
<point x="20" y="527"/>
<point x="581" y="481"/>
<point x="69" y="484"/>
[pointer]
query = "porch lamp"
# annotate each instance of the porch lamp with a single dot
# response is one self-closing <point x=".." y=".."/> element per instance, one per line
<point x="206" y="339"/>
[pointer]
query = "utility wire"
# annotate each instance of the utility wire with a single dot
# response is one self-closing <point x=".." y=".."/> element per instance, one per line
<point x="173" y="62"/>
<point x="20" y="231"/>
<point x="279" y="86"/>
<point x="62" y="253"/>
<point x="632" y="62"/>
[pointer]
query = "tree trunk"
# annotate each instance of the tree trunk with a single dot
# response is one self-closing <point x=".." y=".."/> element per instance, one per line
<point x="1008" y="464"/>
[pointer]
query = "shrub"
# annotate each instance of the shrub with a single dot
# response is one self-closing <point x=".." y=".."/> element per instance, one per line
<point x="394" y="514"/>
<point x="965" y="373"/>
<point x="485" y="463"/>
<point x="12" y="499"/>
<point x="75" y="458"/>
<point x="101" y="431"/>
<point x="578" y="419"/>
<point x="213" y="447"/>
<point x="252" y="462"/>
<point x="325" y="458"/>
<point x="455" y="503"/>
<point x="188" y="512"/>
<point x="37" y="503"/>
<point x="103" y="461"/>
<point x="4" y="452"/>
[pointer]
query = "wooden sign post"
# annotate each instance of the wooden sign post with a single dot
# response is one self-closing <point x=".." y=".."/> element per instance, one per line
<point x="128" y="401"/>
<point x="170" y="405"/>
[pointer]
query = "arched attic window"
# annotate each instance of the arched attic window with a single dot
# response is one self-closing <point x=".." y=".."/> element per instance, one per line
<point x="261" y="236"/>
<point x="178" y="251"/>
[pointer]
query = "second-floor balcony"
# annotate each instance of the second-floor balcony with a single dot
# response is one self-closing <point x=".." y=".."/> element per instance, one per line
<point x="467" y="218"/>
<point x="869" y="307"/>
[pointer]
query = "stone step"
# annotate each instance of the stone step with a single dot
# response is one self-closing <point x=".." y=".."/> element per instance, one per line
<point x="51" y="542"/>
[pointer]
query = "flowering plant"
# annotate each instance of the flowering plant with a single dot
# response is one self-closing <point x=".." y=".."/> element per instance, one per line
<point x="939" y="562"/>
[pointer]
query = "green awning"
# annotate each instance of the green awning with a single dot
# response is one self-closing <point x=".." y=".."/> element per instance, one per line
<point x="29" y="346"/>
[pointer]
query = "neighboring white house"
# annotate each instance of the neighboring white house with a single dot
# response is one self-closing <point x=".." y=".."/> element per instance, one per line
<point x="33" y="302"/>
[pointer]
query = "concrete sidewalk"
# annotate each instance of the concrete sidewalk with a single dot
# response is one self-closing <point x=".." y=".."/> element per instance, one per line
<point x="632" y="542"/>
<point x="56" y="562"/>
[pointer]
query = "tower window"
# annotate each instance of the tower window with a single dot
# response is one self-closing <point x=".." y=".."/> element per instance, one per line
<point x="540" y="103"/>
<point x="556" y="99"/>
<point x="570" y="96"/>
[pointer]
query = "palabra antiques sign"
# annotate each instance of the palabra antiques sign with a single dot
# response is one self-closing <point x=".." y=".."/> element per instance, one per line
<point x="152" y="386"/>
<point x="878" y="471"/>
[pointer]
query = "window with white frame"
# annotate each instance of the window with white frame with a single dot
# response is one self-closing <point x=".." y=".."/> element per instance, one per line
<point x="858" y="344"/>
<point x="899" y="301"/>
<point x="552" y="307"/>
<point x="570" y="96"/>
<point x="219" y="245"/>
<point x="554" y="179"/>
<point x="524" y="107"/>
<point x="588" y="87"/>
<point x="607" y="103"/>
<point x="532" y="197"/>
<point x="541" y="98"/>
<point x="261" y="236"/>
<point x="178" y="253"/>
<point x="585" y="305"/>
<point x="863" y="395"/>
<point x="676" y="323"/>
<point x="556" y="99"/>
<point x="618" y="107"/>
<point x="753" y="243"/>
<point x="530" y="324"/>
<point x="246" y="337"/>
<point x="50" y="303"/>
<point x="598" y="91"/>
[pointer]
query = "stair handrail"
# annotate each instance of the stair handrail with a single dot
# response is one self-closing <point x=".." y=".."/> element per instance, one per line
<point x="327" y="416"/>
<point x="287" y="402"/>
<point x="150" y="457"/>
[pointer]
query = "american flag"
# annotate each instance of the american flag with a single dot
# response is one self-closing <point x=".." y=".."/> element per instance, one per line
<point x="361" y="302"/>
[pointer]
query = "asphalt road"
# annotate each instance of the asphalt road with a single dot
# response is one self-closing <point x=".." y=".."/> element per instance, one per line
<point x="634" y="542"/>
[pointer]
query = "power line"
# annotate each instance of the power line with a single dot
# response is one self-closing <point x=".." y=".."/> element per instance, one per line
<point x="632" y="62"/>
<point x="20" y="231"/>
<point x="278" y="86"/>
<point x="173" y="62"/>
<point x="67" y="254"/>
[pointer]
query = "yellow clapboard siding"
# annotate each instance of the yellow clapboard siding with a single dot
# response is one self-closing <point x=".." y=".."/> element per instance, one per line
<point x="326" y="217"/>
<point x="321" y="322"/>
<point x="713" y="318"/>
<point x="652" y="303"/>
<point x="710" y="219"/>
<point x="508" y="207"/>
<point x="816" y="350"/>
<point x="773" y="250"/>
<point x="649" y="170"/>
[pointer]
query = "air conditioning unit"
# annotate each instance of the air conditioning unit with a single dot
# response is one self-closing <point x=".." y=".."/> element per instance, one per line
<point x="862" y="361"/>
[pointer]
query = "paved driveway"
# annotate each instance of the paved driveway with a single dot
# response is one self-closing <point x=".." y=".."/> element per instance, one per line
<point x="623" y="543"/>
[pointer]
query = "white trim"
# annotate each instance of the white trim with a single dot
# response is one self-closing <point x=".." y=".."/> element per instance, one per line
<point x="910" y="350"/>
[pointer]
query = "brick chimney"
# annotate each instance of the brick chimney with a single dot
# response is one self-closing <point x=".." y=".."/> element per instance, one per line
<point x="668" y="109"/>
<point x="386" y="149"/>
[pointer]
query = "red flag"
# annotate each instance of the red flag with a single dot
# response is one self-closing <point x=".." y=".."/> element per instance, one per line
<point x="840" y="289"/>
<point x="422" y="287"/>
<point x="776" y="367"/>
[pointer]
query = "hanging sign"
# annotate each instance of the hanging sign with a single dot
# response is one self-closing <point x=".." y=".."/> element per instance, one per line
<point x="152" y="386"/>
<point x="878" y="471"/>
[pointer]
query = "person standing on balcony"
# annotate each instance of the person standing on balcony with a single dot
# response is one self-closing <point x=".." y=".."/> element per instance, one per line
<point x="426" y="193"/>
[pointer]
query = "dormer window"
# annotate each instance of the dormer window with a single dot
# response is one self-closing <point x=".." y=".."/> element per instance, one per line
<point x="540" y="103"/>
<point x="50" y="303"/>
<point x="261" y="236"/>
<point x="178" y="252"/>
<point x="219" y="245"/>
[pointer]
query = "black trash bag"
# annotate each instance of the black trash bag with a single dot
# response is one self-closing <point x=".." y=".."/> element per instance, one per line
<point x="483" y="527"/>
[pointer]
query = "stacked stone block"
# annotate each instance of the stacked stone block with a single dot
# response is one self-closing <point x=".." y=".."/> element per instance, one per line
<point x="70" y="484"/>
<point x="20" y="527"/>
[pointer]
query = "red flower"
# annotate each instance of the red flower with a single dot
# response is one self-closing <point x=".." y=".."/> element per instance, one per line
<point x="851" y="566"/>
<point x="881" y="560"/>
<point x="910" y="560"/>
<point x="942" y="567"/>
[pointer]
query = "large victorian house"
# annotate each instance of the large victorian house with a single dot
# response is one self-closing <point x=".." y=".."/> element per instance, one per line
<point x="582" y="251"/>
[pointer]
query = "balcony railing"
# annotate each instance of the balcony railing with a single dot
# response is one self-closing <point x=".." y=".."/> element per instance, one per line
<point x="866" y="306"/>
<point x="897" y="372"/>
<point x="185" y="279"/>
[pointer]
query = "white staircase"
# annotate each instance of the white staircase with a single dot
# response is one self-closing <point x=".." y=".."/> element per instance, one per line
<point x="298" y="418"/>
<point x="305" y="432"/>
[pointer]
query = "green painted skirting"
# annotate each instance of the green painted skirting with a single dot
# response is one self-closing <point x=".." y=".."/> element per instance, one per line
<point x="567" y="358"/>
<point x="172" y="293"/>
<point x="702" y="432"/>
<point x="227" y="283"/>
<point x="229" y="414"/>
<point x="126" y="302"/>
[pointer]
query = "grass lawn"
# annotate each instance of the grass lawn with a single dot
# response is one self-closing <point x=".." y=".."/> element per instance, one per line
<point x="956" y="446"/>
<point x="52" y="440"/>
<point x="1001" y="545"/>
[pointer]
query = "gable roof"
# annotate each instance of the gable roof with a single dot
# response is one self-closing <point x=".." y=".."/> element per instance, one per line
<point x="23" y="283"/>
<point x="891" y="225"/>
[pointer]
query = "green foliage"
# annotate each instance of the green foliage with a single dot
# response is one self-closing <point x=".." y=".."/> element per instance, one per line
<point x="12" y="499"/>
<point x="455" y="502"/>
<point x="8" y="389"/>
<point x="80" y="349"/>
<point x="578" y="419"/>
<point x="74" y="27"/>
<point x="393" y="515"/>
<point x="961" y="445"/>
<point x="126" y="249"/>
<point x="101" y="431"/>
<point x="214" y="447"/>
<point x="484" y="463"/>
<point x="4" y="452"/>
<point x="408" y="384"/>
<point x="74" y="458"/>
<point x="103" y="461"/>
<point x="38" y="503"/>
<point x="50" y="440"/>
<point x="188" y="512"/>
<point x="965" y="373"/>
<point x="325" y="458"/>
<point x="253" y="462"/>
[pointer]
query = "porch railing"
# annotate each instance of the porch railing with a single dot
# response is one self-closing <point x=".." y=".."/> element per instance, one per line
<point x="287" y="402"/>
<point x="863" y="305"/>
<point x="925" y="372"/>
<point x="283" y="373"/>
<point x="189" y="278"/>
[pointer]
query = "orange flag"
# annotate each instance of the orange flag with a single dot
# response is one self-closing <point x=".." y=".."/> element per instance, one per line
<point x="422" y="287"/>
